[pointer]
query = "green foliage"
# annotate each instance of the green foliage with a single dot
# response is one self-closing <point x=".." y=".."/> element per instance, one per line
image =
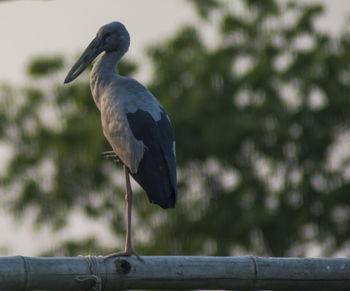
<point x="267" y="113"/>
<point x="204" y="7"/>
<point x="260" y="120"/>
<point x="43" y="66"/>
<point x="72" y="248"/>
<point x="55" y="137"/>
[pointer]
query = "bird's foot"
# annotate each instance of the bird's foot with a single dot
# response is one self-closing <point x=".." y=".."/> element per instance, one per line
<point x="127" y="253"/>
<point x="110" y="155"/>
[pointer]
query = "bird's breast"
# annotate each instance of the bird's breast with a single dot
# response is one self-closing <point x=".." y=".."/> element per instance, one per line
<point x="117" y="96"/>
<point x="117" y="130"/>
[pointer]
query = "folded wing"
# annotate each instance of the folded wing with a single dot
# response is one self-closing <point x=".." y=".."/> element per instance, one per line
<point x="156" y="172"/>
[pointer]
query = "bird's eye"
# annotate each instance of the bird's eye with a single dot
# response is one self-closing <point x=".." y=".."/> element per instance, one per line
<point x="107" y="35"/>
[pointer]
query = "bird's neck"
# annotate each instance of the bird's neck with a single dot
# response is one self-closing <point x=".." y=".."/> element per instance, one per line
<point x="108" y="62"/>
<point x="103" y="71"/>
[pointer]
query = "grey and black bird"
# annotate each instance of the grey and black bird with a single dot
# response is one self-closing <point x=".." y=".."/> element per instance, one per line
<point x="133" y="121"/>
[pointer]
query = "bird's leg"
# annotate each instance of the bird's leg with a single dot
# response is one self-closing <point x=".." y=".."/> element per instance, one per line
<point x="110" y="155"/>
<point x="128" y="198"/>
<point x="128" y="251"/>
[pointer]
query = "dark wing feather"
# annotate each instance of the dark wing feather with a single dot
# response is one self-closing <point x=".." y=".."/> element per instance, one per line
<point x="156" y="172"/>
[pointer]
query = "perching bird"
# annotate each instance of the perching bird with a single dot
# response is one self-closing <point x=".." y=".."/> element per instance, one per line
<point x="133" y="121"/>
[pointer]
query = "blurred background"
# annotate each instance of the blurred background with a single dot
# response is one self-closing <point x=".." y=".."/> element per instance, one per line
<point x="259" y="97"/>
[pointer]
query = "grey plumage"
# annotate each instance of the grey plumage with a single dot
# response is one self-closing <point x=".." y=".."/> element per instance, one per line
<point x="133" y="121"/>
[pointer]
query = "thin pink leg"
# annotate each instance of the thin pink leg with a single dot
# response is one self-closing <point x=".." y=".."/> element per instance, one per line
<point x="128" y="251"/>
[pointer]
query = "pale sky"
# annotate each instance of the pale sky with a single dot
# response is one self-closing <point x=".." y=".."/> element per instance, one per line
<point x="32" y="28"/>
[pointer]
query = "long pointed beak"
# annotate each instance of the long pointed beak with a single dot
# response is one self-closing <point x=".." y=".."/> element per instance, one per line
<point x="90" y="53"/>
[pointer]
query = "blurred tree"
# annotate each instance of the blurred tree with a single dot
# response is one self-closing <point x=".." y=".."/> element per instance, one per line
<point x="261" y="121"/>
<point x="53" y="137"/>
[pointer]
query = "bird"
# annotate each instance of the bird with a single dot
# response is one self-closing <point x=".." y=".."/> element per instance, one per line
<point x="133" y="121"/>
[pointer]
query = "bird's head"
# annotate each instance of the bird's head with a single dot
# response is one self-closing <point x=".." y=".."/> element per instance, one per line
<point x="112" y="37"/>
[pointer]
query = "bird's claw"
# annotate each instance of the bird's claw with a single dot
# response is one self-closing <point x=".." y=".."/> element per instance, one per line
<point x="110" y="155"/>
<point x="127" y="253"/>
